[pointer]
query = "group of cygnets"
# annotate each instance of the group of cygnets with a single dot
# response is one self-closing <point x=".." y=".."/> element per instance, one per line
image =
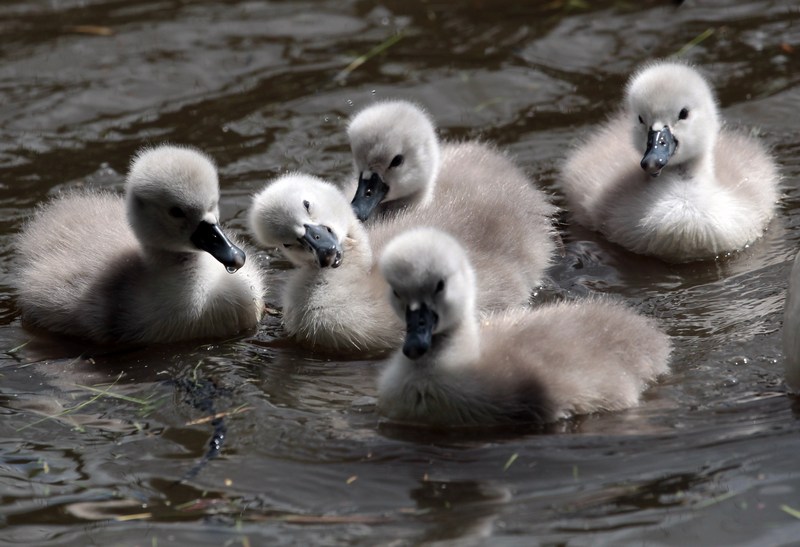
<point x="432" y="255"/>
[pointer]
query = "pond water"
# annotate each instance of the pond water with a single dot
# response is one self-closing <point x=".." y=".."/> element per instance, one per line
<point x="113" y="448"/>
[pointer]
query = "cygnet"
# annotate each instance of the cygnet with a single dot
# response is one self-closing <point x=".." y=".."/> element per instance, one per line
<point x="664" y="177"/>
<point x="149" y="267"/>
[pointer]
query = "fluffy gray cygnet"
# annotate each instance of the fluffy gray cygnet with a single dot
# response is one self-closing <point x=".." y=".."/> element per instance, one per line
<point x="457" y="368"/>
<point x="149" y="267"/>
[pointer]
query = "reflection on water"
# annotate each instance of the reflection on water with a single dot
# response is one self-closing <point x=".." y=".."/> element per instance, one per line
<point x="95" y="443"/>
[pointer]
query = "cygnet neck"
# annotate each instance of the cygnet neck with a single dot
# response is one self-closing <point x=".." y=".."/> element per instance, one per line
<point x="699" y="169"/>
<point x="357" y="248"/>
<point x="427" y="192"/>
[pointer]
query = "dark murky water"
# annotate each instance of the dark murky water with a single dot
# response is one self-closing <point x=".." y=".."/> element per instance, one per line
<point x="710" y="458"/>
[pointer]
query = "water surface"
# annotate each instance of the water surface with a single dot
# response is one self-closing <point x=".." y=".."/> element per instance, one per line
<point x="709" y="457"/>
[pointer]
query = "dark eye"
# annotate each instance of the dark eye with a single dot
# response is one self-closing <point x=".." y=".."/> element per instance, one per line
<point x="394" y="292"/>
<point x="397" y="161"/>
<point x="307" y="205"/>
<point x="440" y="286"/>
<point x="641" y="121"/>
<point x="176" y="212"/>
<point x="684" y="113"/>
<point x="287" y="245"/>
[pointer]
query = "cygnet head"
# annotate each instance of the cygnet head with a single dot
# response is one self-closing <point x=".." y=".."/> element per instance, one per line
<point x="673" y="113"/>
<point x="304" y="216"/>
<point x="432" y="285"/>
<point x="172" y="200"/>
<point x="395" y="153"/>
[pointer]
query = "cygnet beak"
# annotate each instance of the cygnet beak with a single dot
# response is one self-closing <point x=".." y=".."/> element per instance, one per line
<point x="660" y="147"/>
<point x="369" y="194"/>
<point x="420" y="323"/>
<point x="211" y="239"/>
<point x="322" y="242"/>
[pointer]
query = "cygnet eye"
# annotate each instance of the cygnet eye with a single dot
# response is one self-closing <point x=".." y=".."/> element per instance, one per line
<point x="439" y="286"/>
<point x="307" y="205"/>
<point x="176" y="212"/>
<point x="683" y="114"/>
<point x="394" y="292"/>
<point x="287" y="245"/>
<point x="397" y="161"/>
<point x="641" y="121"/>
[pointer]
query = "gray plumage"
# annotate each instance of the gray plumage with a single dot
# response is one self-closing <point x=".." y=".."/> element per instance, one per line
<point x="716" y="193"/>
<point x="344" y="308"/>
<point x="519" y="365"/>
<point x="471" y="180"/>
<point x="99" y="266"/>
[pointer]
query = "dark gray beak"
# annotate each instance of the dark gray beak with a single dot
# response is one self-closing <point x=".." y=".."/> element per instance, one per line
<point x="419" y="331"/>
<point x="369" y="194"/>
<point x="660" y="147"/>
<point x="210" y="238"/>
<point x="321" y="241"/>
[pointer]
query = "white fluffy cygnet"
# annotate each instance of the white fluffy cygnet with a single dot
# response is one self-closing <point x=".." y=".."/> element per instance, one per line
<point x="664" y="177"/>
<point x="335" y="299"/>
<point x="521" y="365"/>
<point x="149" y="267"/>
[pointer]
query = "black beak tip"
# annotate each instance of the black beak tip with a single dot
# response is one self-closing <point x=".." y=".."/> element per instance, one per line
<point x="652" y="168"/>
<point x="330" y="258"/>
<point x="360" y="214"/>
<point x="414" y="351"/>
<point x="237" y="260"/>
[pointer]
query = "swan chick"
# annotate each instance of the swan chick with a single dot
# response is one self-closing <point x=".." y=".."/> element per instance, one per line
<point x="664" y="177"/>
<point x="520" y="365"/>
<point x="149" y="267"/>
<point x="468" y="189"/>
<point x="333" y="300"/>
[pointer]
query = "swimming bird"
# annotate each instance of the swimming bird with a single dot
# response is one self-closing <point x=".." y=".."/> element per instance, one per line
<point x="400" y="163"/>
<point x="664" y="177"/>
<point x="457" y="368"/>
<point x="334" y="300"/>
<point x="149" y="267"/>
<point x="791" y="329"/>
